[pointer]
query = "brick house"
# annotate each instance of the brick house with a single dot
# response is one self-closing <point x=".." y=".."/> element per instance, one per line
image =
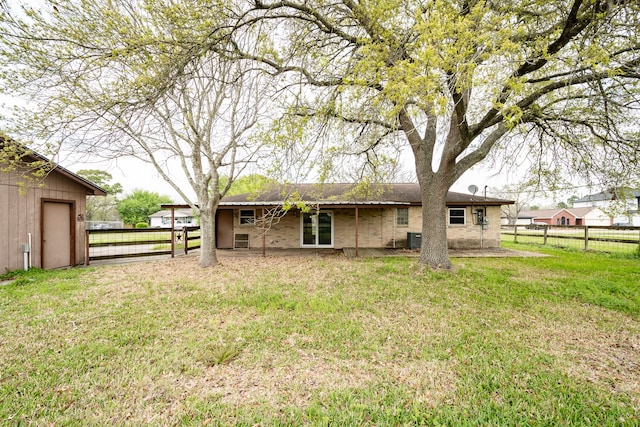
<point x="339" y="216"/>
<point x="623" y="205"/>
<point x="568" y="216"/>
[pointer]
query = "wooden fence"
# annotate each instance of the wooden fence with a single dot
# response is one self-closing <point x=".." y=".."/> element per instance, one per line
<point x="140" y="242"/>
<point x="596" y="238"/>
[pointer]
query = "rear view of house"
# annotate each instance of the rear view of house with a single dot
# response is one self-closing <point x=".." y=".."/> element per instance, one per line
<point x="342" y="216"/>
<point x="42" y="224"/>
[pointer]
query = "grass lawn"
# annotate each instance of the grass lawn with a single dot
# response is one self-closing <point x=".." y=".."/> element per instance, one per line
<point x="325" y="341"/>
<point x="623" y="242"/>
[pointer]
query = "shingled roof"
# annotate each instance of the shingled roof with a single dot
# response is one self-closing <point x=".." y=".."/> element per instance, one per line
<point x="352" y="194"/>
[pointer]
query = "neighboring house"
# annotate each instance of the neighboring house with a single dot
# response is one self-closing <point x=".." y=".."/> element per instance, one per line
<point x="339" y="218"/>
<point x="590" y="216"/>
<point x="565" y="216"/>
<point x="182" y="218"/>
<point x="50" y="217"/>
<point x="623" y="206"/>
<point x="520" y="220"/>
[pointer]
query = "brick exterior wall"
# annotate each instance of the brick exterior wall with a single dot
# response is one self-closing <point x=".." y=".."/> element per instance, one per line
<point x="470" y="235"/>
<point x="376" y="229"/>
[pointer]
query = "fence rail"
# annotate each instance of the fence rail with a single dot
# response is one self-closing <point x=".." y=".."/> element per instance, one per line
<point x="140" y="242"/>
<point x="596" y="238"/>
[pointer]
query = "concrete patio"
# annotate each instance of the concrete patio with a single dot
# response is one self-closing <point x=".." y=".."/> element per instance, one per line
<point x="375" y="252"/>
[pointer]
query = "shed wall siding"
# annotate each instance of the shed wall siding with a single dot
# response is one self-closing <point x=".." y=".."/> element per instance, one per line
<point x="20" y="215"/>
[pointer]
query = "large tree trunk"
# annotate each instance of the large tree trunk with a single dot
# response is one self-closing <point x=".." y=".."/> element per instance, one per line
<point x="435" y="248"/>
<point x="208" y="256"/>
<point x="434" y="187"/>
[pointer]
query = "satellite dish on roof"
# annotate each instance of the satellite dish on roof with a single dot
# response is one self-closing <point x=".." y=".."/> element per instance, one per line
<point x="473" y="189"/>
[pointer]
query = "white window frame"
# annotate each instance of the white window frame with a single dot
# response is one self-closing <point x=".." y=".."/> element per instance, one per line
<point x="464" y="216"/>
<point x="316" y="245"/>
<point x="403" y="224"/>
<point x="251" y="220"/>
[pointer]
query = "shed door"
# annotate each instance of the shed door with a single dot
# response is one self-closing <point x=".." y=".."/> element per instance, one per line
<point x="57" y="248"/>
<point x="224" y="228"/>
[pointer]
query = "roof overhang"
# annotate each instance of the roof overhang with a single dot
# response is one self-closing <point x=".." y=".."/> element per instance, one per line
<point x="92" y="189"/>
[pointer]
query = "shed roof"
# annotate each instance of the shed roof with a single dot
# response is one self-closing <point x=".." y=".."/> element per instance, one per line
<point x="32" y="156"/>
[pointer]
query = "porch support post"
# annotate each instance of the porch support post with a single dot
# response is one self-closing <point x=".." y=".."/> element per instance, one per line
<point x="356" y="230"/>
<point x="173" y="236"/>
<point x="586" y="238"/>
<point x="264" y="238"/>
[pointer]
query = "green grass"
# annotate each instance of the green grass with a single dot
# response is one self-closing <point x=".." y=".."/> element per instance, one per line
<point x="325" y="341"/>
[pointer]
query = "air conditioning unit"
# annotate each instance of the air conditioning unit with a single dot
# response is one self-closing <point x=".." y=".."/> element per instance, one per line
<point x="241" y="241"/>
<point x="414" y="240"/>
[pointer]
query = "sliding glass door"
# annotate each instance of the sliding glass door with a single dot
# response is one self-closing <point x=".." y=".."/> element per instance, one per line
<point x="317" y="229"/>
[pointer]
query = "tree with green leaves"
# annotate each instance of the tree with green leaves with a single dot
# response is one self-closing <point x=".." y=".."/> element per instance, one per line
<point x="30" y="167"/>
<point x="250" y="184"/>
<point x="129" y="78"/>
<point x="571" y="200"/>
<point x="102" y="179"/>
<point x="553" y="82"/>
<point x="453" y="81"/>
<point x="102" y="208"/>
<point x="137" y="206"/>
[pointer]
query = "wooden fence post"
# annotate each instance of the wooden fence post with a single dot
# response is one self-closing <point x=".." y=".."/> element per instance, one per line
<point x="586" y="237"/>
<point x="515" y="234"/>
<point x="544" y="241"/>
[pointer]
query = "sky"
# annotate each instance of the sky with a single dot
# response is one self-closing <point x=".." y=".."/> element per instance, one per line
<point x="134" y="174"/>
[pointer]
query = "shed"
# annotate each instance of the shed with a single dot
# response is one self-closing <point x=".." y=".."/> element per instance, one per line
<point x="44" y="220"/>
